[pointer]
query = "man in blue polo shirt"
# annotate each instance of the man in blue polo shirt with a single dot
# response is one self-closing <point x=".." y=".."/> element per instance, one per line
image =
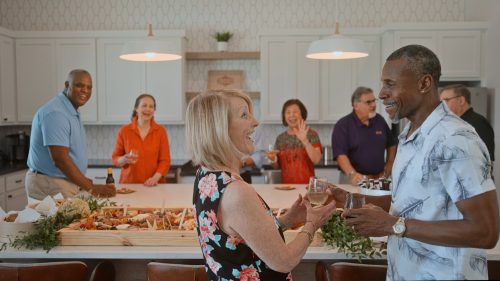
<point x="360" y="140"/>
<point x="57" y="158"/>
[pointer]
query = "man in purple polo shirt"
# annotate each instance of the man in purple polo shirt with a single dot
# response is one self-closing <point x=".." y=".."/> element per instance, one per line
<point x="360" y="139"/>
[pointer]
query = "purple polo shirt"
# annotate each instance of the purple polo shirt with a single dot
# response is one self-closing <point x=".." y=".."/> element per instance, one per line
<point x="364" y="145"/>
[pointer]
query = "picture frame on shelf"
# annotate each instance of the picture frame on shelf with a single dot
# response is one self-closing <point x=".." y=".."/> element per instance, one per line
<point x="225" y="79"/>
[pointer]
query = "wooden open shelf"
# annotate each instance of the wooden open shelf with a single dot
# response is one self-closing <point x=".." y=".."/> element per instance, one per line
<point x="253" y="95"/>
<point x="223" y="55"/>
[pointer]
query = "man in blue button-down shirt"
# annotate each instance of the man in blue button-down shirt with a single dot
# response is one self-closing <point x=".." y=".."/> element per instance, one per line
<point x="444" y="210"/>
<point x="57" y="158"/>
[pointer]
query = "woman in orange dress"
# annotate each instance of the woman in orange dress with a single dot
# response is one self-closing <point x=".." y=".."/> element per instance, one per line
<point x="141" y="148"/>
<point x="298" y="148"/>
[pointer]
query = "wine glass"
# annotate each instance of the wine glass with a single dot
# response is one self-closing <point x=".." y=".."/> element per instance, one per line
<point x="133" y="155"/>
<point x="354" y="201"/>
<point x="316" y="191"/>
<point x="272" y="152"/>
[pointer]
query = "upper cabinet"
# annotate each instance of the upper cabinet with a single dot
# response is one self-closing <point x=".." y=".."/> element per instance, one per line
<point x="286" y="73"/>
<point x="42" y="68"/>
<point x="121" y="82"/>
<point x="7" y="81"/>
<point x="458" y="46"/>
<point x="44" y="59"/>
<point x="324" y="86"/>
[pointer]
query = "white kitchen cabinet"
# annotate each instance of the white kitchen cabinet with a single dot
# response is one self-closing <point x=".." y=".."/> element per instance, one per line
<point x="78" y="54"/>
<point x="42" y="68"/>
<point x="120" y="82"/>
<point x="15" y="192"/>
<point x="286" y="73"/>
<point x="339" y="79"/>
<point x="7" y="81"/>
<point x="35" y="69"/>
<point x="324" y="86"/>
<point x="458" y="49"/>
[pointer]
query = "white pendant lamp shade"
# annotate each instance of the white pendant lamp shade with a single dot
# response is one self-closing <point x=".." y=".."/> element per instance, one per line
<point x="149" y="49"/>
<point x="337" y="47"/>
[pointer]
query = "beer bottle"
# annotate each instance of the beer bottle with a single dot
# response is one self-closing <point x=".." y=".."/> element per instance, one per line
<point x="109" y="178"/>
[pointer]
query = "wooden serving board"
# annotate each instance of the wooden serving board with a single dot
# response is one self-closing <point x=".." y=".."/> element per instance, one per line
<point x="178" y="238"/>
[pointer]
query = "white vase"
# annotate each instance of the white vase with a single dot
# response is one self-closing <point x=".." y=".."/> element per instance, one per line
<point x="221" y="46"/>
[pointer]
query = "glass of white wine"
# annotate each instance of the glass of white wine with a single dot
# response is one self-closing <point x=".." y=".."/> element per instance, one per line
<point x="354" y="201"/>
<point x="272" y="152"/>
<point x="316" y="191"/>
<point x="133" y="155"/>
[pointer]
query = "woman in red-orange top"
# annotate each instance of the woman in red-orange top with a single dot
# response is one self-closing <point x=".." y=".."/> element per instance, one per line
<point x="141" y="148"/>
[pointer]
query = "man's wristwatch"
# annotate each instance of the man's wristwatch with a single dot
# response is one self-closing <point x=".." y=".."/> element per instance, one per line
<point x="399" y="227"/>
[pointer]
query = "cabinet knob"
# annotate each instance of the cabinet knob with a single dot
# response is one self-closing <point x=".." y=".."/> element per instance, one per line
<point x="9" y="196"/>
<point x="19" y="181"/>
<point x="5" y="119"/>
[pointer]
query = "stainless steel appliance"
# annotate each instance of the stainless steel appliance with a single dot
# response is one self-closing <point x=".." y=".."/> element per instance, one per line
<point x="18" y="146"/>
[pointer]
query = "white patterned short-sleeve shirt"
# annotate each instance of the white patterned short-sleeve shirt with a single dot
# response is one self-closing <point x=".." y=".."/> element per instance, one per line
<point x="441" y="163"/>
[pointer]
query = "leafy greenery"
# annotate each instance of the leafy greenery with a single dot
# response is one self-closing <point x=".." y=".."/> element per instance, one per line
<point x="337" y="233"/>
<point x="223" y="36"/>
<point x="45" y="230"/>
<point x="45" y="233"/>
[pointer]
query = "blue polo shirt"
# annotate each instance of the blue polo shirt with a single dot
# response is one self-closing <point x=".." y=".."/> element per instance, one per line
<point x="363" y="145"/>
<point x="57" y="123"/>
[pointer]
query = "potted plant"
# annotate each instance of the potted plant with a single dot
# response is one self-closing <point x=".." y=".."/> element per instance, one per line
<point x="222" y="39"/>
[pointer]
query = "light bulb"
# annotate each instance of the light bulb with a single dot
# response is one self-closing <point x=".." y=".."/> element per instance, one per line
<point x="150" y="55"/>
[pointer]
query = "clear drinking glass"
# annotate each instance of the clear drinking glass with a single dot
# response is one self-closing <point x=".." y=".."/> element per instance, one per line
<point x="133" y="155"/>
<point x="354" y="201"/>
<point x="272" y="152"/>
<point x="316" y="191"/>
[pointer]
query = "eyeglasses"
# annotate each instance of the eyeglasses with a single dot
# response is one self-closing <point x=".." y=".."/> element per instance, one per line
<point x="369" y="102"/>
<point x="448" y="99"/>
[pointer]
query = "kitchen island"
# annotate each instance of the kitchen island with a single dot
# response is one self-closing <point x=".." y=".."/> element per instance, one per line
<point x="131" y="260"/>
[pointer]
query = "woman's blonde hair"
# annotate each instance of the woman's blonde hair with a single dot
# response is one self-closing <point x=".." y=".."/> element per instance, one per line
<point x="207" y="128"/>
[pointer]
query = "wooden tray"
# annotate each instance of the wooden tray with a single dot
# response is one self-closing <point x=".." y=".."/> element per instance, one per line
<point x="178" y="238"/>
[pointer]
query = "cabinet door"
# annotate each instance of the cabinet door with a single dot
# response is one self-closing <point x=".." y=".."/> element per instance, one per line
<point x="78" y="54"/>
<point x="425" y="38"/>
<point x="120" y="82"/>
<point x="460" y="54"/>
<point x="7" y="81"/>
<point x="287" y="74"/>
<point x="165" y="81"/>
<point x="16" y="199"/>
<point x="36" y="83"/>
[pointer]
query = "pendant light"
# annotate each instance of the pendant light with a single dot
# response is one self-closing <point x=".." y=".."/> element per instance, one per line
<point x="337" y="47"/>
<point x="149" y="49"/>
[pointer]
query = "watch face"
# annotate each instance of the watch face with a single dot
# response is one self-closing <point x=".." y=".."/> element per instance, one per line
<point x="399" y="228"/>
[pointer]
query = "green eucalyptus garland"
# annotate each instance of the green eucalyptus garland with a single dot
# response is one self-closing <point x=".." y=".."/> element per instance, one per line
<point x="338" y="234"/>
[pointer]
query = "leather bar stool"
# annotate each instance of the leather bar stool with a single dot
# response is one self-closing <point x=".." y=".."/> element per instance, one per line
<point x="343" y="271"/>
<point x="50" y="271"/>
<point x="175" y="272"/>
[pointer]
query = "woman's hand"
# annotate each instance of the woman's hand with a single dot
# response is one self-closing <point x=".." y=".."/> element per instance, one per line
<point x="301" y="132"/>
<point x="318" y="216"/>
<point x="296" y="214"/>
<point x="127" y="159"/>
<point x="153" y="181"/>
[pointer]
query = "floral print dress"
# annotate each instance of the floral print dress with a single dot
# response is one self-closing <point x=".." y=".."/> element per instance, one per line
<point x="226" y="257"/>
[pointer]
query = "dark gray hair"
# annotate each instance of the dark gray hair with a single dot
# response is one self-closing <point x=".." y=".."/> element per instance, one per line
<point x="420" y="60"/>
<point x="356" y="95"/>
<point x="75" y="72"/>
<point x="459" y="90"/>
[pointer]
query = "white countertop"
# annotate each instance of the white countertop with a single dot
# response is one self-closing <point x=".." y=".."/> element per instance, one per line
<point x="178" y="195"/>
